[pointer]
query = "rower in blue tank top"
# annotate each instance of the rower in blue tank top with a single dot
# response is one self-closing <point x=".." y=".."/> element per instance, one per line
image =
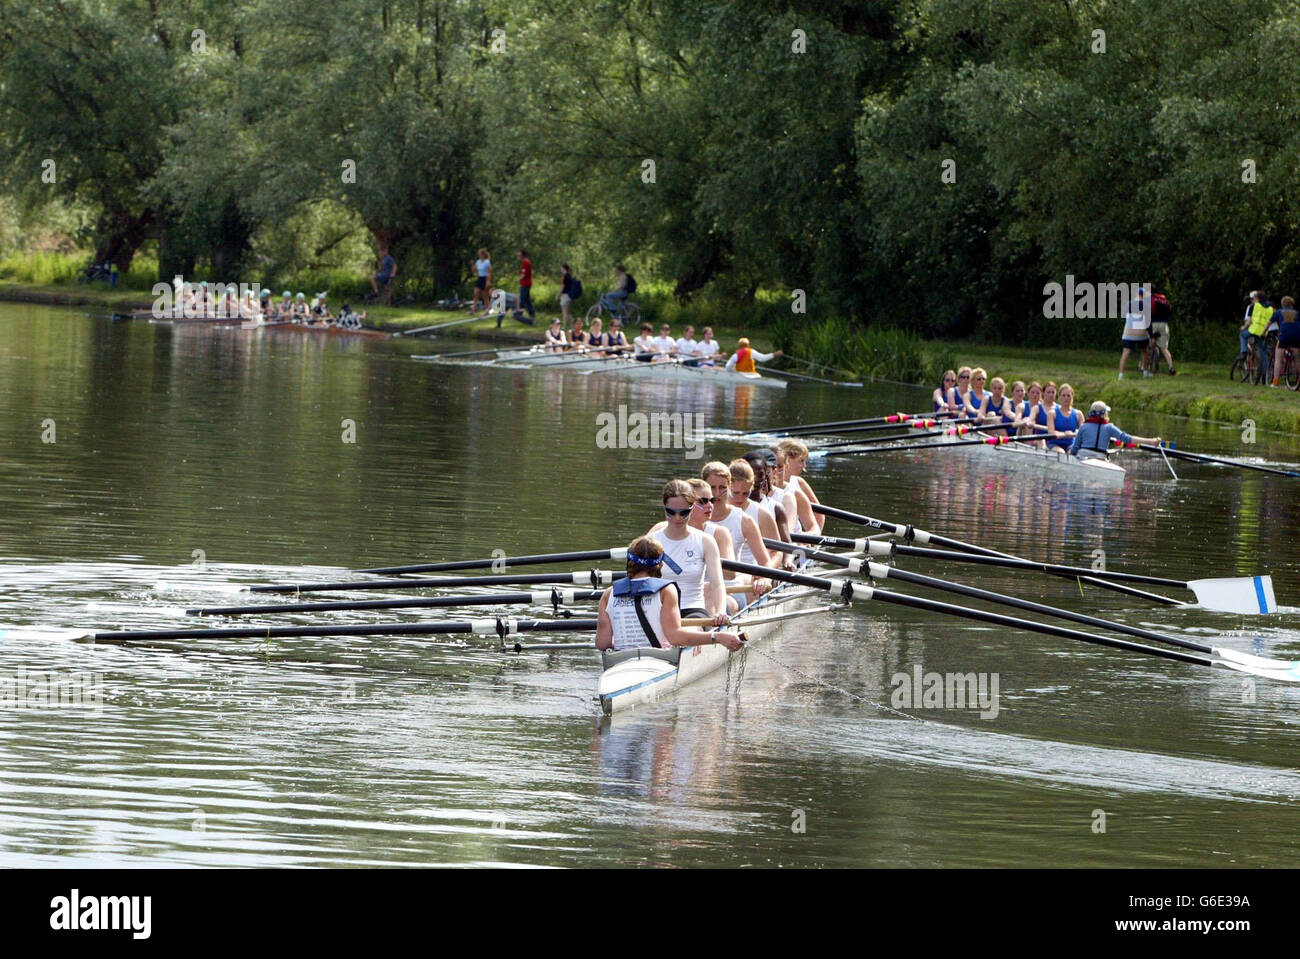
<point x="997" y="408"/>
<point x="1046" y="405"/>
<point x="961" y="390"/>
<point x="1064" y="419"/>
<point x="945" y="397"/>
<point x="975" y="399"/>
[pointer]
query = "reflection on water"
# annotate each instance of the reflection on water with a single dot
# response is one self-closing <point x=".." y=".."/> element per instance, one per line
<point x="208" y="459"/>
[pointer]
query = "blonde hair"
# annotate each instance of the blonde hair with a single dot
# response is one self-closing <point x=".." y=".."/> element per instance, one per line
<point x="743" y="341"/>
<point x="740" y="470"/>
<point x="996" y="382"/>
<point x="962" y="369"/>
<point x="647" y="547"/>
<point x="791" y="448"/>
<point x="701" y="489"/>
<point x="715" y="468"/>
<point x="978" y="373"/>
<point x="676" y="487"/>
<point x="1019" y="383"/>
<point x="1064" y="387"/>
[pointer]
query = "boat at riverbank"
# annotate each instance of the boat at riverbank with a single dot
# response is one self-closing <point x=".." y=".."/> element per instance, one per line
<point x="621" y="365"/>
<point x="323" y="329"/>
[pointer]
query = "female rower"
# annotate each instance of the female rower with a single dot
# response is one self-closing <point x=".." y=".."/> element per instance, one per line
<point x="301" y="312"/>
<point x="577" y="338"/>
<point x="760" y="496"/>
<point x="642" y="610"/>
<point x="1023" y="402"/>
<point x="691" y="556"/>
<point x="746" y="537"/>
<point x="977" y="397"/>
<point x="945" y="395"/>
<point x="997" y="408"/>
<point x="701" y="518"/>
<point x="285" y="308"/>
<point x="1064" y="419"/>
<point x="796" y="463"/>
<point x="963" y="388"/>
<point x="615" y="341"/>
<point x="596" y="338"/>
<point x="1045" y="407"/>
<point x="788" y="495"/>
<point x="1094" y="436"/>
<point x="555" y="341"/>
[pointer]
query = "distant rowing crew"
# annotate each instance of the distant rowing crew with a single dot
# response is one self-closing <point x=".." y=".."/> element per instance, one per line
<point x="725" y="514"/>
<point x="225" y="301"/>
<point x="1030" y="410"/>
<point x="650" y="348"/>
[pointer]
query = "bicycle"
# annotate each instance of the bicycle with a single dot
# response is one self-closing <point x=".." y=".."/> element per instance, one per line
<point x="1152" y="358"/>
<point x="1246" y="367"/>
<point x="629" y="314"/>
<point x="97" y="272"/>
<point x="1290" y="373"/>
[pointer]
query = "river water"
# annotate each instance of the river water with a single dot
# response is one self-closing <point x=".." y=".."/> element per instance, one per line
<point x="149" y="468"/>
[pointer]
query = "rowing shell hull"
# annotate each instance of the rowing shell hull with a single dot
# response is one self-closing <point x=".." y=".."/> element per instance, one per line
<point x="317" y="329"/>
<point x="1055" y="462"/>
<point x="706" y="375"/>
<point x="636" y="682"/>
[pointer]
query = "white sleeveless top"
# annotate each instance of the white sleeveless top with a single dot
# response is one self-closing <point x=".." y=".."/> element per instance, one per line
<point x="688" y="553"/>
<point x="734" y="525"/>
<point x="628" y="633"/>
<point x="790" y="503"/>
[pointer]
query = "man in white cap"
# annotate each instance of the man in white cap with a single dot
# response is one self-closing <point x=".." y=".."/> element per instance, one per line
<point x="1093" y="438"/>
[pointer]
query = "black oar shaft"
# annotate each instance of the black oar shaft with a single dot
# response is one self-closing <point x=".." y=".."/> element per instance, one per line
<point x="418" y="602"/>
<point x="933" y="606"/>
<point x="1015" y="602"/>
<point x="947" y="556"/>
<point x="338" y="629"/>
<point x="502" y="562"/>
<point x="596" y="578"/>
<point x="957" y="544"/>
<point x="1203" y="458"/>
<point x="891" y="418"/>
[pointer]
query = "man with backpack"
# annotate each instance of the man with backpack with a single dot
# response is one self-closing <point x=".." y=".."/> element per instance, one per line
<point x="1160" y="313"/>
<point x="623" y="288"/>
<point x="570" y="291"/>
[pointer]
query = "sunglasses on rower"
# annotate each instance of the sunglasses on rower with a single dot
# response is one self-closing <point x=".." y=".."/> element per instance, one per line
<point x="670" y="512"/>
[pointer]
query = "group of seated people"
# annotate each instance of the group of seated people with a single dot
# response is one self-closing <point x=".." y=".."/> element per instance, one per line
<point x="220" y="301"/>
<point x="1035" y="410"/>
<point x="650" y="348"/>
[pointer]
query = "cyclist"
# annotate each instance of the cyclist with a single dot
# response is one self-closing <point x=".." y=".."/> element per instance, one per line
<point x="624" y="287"/>
<point x="1288" y="335"/>
<point x="1255" y="325"/>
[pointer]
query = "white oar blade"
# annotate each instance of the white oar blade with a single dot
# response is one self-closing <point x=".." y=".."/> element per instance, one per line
<point x="1256" y="662"/>
<point x="1240" y="594"/>
<point x="1281" y="675"/>
<point x="43" y="633"/>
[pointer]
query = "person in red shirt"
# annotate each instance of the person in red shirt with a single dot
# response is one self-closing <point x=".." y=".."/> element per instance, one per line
<point x="526" y="285"/>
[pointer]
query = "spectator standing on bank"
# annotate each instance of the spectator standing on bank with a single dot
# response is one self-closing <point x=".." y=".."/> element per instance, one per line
<point x="526" y="285"/>
<point x="1137" y="323"/>
<point x="482" y="281"/>
<point x="387" y="272"/>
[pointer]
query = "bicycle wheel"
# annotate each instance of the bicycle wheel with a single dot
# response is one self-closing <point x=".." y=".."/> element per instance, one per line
<point x="1239" y="371"/>
<point x="594" y="312"/>
<point x="1291" y="371"/>
<point x="631" y="314"/>
<point x="1153" y="359"/>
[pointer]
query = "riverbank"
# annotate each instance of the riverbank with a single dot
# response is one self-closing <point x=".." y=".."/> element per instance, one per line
<point x="392" y="319"/>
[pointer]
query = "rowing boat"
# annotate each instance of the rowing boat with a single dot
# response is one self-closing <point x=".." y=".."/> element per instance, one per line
<point x="624" y="365"/>
<point x="634" y="677"/>
<point x="328" y="329"/>
<point x="1052" y="461"/>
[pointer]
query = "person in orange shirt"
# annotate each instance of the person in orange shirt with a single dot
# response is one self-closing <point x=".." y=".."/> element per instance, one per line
<point x="746" y="358"/>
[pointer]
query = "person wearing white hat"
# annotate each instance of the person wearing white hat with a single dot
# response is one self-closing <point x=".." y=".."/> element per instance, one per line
<point x="1093" y="438"/>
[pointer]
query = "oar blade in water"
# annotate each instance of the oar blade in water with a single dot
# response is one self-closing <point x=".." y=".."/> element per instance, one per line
<point x="1239" y="594"/>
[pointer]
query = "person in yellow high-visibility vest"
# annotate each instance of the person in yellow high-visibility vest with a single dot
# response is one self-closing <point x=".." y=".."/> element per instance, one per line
<point x="1255" y="323"/>
<point x="743" y="360"/>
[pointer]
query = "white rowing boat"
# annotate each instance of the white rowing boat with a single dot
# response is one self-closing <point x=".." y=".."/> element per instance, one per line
<point x="633" y="677"/>
<point x="1052" y="461"/>
<point x="625" y="365"/>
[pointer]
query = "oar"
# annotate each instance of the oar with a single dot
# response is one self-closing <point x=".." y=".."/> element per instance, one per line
<point x="927" y="427"/>
<point x="438" y="326"/>
<point x="817" y="366"/>
<point x="616" y="553"/>
<point x="970" y="444"/>
<point x="913" y="535"/>
<point x="553" y="597"/>
<point x="498" y="626"/>
<point x="879" y="571"/>
<point x="877" y="427"/>
<point x="814" y="427"/>
<point x="929" y="605"/>
<point x="443" y="356"/>
<point x="1202" y="458"/>
<point x="1244" y="594"/>
<point x="592" y="578"/>
<point x="810" y="379"/>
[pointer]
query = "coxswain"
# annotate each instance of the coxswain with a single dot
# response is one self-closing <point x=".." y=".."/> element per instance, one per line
<point x="643" y="611"/>
<point x="745" y="357"/>
<point x="1094" y="437"/>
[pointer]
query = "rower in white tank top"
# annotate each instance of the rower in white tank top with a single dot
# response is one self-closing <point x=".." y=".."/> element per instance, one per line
<point x="786" y="499"/>
<point x="688" y="555"/>
<point x="734" y="525"/>
<point x="628" y="631"/>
